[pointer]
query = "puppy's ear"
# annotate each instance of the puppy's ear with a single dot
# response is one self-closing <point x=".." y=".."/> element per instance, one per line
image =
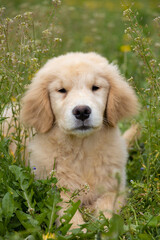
<point x="36" y="107"/>
<point x="122" y="101"/>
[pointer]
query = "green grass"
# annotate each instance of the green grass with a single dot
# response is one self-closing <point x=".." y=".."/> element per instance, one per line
<point x="130" y="39"/>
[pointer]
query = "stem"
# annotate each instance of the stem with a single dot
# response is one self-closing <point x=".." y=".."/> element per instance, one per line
<point x="27" y="199"/>
<point x="51" y="219"/>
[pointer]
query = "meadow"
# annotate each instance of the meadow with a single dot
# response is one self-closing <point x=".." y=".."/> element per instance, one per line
<point x="127" y="34"/>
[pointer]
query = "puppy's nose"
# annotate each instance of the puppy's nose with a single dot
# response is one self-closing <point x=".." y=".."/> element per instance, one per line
<point x="81" y="112"/>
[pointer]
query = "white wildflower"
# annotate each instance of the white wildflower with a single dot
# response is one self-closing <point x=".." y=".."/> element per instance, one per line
<point x="46" y="33"/>
<point x="56" y="2"/>
<point x="27" y="14"/>
<point x="57" y="40"/>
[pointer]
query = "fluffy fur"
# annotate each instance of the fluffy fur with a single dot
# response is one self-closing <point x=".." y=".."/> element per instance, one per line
<point x="90" y="151"/>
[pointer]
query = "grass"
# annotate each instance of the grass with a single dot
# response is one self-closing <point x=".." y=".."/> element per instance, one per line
<point x="32" y="32"/>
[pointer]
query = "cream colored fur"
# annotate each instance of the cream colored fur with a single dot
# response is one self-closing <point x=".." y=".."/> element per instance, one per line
<point x="96" y="156"/>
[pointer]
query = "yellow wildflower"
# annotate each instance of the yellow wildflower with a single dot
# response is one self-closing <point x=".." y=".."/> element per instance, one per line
<point x="13" y="99"/>
<point x="157" y="155"/>
<point x="30" y="77"/>
<point x="12" y="153"/>
<point x="156" y="179"/>
<point x="49" y="235"/>
<point x="125" y="48"/>
<point x="143" y="165"/>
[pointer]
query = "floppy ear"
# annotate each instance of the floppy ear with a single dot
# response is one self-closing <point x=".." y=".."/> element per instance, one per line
<point x="36" y="108"/>
<point x="122" y="101"/>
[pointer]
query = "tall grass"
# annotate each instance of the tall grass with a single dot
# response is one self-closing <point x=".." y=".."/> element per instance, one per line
<point x="28" y="208"/>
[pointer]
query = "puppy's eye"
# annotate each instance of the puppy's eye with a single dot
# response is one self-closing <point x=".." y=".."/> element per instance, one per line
<point x="95" y="88"/>
<point x="62" y="90"/>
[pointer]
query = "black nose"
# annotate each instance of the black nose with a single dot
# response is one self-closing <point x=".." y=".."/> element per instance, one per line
<point x="81" y="112"/>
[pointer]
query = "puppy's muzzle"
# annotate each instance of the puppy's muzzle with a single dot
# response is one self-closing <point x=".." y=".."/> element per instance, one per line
<point x="82" y="112"/>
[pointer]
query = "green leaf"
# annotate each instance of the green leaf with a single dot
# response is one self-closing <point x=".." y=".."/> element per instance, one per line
<point x="116" y="228"/>
<point x="24" y="181"/>
<point x="1" y="212"/>
<point x="27" y="220"/>
<point x="2" y="229"/>
<point x="16" y="171"/>
<point x="8" y="206"/>
<point x="69" y="213"/>
<point x="53" y="211"/>
<point x="154" y="222"/>
<point x="41" y="217"/>
<point x="144" y="237"/>
<point x="48" y="208"/>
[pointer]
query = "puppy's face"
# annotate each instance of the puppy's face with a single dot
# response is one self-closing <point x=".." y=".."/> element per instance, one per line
<point x="78" y="99"/>
<point x="76" y="91"/>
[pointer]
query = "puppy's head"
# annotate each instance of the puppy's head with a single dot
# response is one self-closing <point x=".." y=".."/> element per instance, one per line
<point x="77" y="91"/>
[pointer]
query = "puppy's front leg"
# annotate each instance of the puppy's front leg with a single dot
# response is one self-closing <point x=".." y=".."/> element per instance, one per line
<point x="77" y="218"/>
<point x="70" y="180"/>
<point x="109" y="203"/>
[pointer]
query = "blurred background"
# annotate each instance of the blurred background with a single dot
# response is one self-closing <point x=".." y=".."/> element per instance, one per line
<point x="85" y="25"/>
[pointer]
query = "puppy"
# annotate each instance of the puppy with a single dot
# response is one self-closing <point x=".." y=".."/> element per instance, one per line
<point x="75" y="102"/>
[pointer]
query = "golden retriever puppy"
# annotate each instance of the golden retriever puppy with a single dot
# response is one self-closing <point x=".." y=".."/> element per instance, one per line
<point x="75" y="102"/>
